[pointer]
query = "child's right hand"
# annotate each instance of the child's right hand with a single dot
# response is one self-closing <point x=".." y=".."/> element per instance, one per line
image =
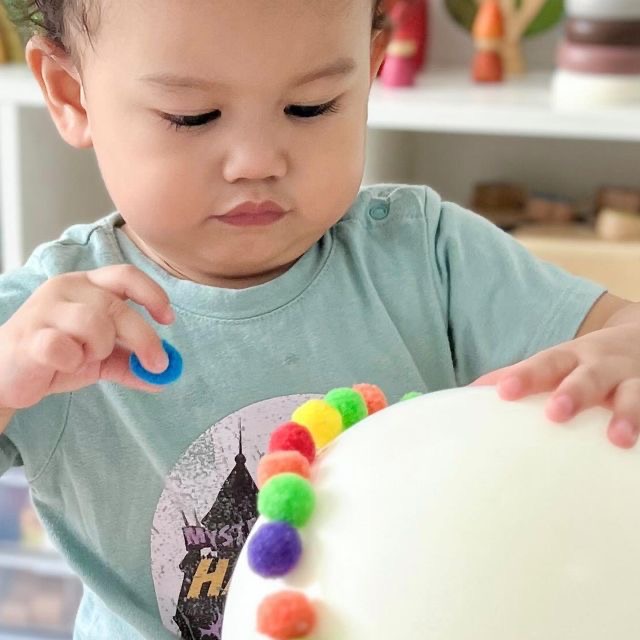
<point x="76" y="329"/>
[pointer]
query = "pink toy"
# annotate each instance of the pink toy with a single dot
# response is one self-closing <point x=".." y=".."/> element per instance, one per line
<point x="406" y="54"/>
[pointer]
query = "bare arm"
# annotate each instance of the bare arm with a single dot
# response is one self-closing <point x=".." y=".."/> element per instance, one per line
<point x="609" y="311"/>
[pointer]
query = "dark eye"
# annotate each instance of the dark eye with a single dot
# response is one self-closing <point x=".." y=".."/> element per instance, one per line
<point x="299" y="111"/>
<point x="192" y="121"/>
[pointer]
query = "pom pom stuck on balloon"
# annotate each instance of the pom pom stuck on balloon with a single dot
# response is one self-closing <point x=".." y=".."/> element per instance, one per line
<point x="323" y="421"/>
<point x="292" y="436"/>
<point x="274" y="550"/>
<point x="410" y="396"/>
<point x="278" y="462"/>
<point x="287" y="497"/>
<point x="349" y="403"/>
<point x="287" y="615"/>
<point x="373" y="396"/>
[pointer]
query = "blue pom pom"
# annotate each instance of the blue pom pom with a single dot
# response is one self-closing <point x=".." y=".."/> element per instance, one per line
<point x="169" y="375"/>
<point x="274" y="550"/>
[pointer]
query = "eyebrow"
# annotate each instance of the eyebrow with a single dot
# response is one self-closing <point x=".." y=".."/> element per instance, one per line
<point x="340" y="67"/>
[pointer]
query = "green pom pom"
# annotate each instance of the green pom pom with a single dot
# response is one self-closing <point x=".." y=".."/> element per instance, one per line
<point x="349" y="403"/>
<point x="287" y="497"/>
<point x="411" y="395"/>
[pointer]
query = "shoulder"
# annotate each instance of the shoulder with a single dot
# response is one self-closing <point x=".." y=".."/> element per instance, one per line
<point x="392" y="203"/>
<point x="79" y="248"/>
<point x="409" y="215"/>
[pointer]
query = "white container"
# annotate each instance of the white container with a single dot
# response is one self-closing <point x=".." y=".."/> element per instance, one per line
<point x="603" y="9"/>
<point x="583" y="91"/>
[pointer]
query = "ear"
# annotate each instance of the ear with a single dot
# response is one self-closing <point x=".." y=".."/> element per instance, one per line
<point x="379" y="44"/>
<point x="61" y="86"/>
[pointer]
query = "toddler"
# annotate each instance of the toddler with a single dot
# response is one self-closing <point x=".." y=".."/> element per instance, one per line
<point x="231" y="138"/>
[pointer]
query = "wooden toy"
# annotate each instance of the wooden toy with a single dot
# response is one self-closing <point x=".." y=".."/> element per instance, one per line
<point x="619" y="226"/>
<point x="488" y="38"/>
<point x="618" y="198"/>
<point x="599" y="58"/>
<point x="13" y="39"/>
<point x="604" y="9"/>
<point x="588" y="31"/>
<point x="501" y="202"/>
<point x="399" y="65"/>
<point x="406" y="52"/>
<point x="579" y="91"/>
<point x="550" y="209"/>
<point x="522" y="18"/>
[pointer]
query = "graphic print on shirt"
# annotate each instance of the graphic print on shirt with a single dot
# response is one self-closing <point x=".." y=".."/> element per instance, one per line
<point x="204" y="516"/>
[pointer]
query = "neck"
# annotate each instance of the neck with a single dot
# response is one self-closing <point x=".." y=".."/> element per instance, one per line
<point x="210" y="279"/>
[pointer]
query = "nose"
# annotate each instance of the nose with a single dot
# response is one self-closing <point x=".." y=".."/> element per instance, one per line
<point x="255" y="154"/>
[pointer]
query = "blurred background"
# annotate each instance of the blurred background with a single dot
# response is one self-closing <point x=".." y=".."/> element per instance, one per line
<point x="527" y="111"/>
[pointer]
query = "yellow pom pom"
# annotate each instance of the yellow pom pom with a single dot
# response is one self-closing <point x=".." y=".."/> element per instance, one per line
<point x="321" y="419"/>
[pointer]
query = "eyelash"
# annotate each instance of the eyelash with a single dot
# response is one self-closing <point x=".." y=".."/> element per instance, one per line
<point x="303" y="112"/>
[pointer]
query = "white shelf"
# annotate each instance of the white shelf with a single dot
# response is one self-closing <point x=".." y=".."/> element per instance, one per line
<point x="47" y="563"/>
<point x="447" y="101"/>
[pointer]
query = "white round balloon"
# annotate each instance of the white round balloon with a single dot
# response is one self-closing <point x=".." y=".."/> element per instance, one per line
<point x="459" y="516"/>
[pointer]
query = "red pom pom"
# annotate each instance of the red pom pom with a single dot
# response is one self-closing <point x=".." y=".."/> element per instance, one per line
<point x="373" y="396"/>
<point x="286" y="615"/>
<point x="292" y="436"/>
<point x="282" y="462"/>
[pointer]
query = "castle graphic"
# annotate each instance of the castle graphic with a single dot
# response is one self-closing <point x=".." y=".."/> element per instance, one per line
<point x="212" y="546"/>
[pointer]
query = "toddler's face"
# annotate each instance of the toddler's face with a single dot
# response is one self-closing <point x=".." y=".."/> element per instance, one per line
<point x="279" y="114"/>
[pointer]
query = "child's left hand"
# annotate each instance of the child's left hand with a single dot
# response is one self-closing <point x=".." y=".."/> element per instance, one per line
<point x="601" y="366"/>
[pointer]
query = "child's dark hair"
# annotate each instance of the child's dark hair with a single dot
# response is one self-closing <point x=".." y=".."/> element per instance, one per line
<point x="59" y="19"/>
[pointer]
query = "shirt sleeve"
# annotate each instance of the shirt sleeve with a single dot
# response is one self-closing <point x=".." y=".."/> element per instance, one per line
<point x="502" y="304"/>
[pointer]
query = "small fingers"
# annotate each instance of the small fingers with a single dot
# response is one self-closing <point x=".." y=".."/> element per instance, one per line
<point x="116" y="369"/>
<point x="56" y="350"/>
<point x="586" y="386"/>
<point x="492" y="378"/>
<point x="542" y="372"/>
<point x="129" y="283"/>
<point x="134" y="333"/>
<point x="89" y="326"/>
<point x="625" y="425"/>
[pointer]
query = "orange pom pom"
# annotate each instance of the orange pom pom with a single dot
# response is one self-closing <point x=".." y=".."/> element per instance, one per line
<point x="286" y="615"/>
<point x="282" y="462"/>
<point x="373" y="396"/>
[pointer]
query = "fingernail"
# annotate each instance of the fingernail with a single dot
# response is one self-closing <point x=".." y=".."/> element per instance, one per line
<point x="161" y="362"/>
<point x="169" y="315"/>
<point x="626" y="430"/>
<point x="562" y="407"/>
<point x="510" y="387"/>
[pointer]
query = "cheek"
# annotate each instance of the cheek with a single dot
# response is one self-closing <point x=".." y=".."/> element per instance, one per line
<point x="150" y="179"/>
<point x="338" y="153"/>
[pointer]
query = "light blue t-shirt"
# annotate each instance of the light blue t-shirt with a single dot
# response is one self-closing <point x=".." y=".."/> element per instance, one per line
<point x="150" y="497"/>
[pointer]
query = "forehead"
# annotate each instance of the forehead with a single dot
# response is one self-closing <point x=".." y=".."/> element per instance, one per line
<point x="238" y="39"/>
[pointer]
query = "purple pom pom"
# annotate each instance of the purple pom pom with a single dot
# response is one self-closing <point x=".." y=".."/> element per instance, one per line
<point x="274" y="550"/>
